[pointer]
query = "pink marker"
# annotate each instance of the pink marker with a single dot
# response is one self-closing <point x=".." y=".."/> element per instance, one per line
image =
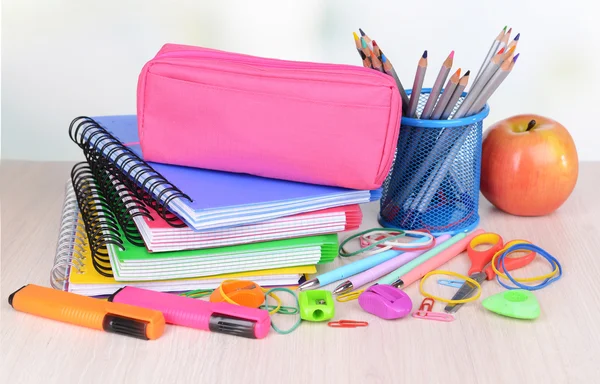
<point x="194" y="313"/>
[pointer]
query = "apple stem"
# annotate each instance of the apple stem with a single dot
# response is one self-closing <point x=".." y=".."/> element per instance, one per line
<point x="530" y="126"/>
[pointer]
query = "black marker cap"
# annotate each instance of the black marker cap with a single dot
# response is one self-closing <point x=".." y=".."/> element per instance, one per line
<point x="232" y="326"/>
<point x="125" y="326"/>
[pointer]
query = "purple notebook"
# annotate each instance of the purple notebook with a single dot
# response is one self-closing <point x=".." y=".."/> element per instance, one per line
<point x="218" y="199"/>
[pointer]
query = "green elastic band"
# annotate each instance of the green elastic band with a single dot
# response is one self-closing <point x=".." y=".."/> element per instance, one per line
<point x="283" y="310"/>
<point x="297" y="310"/>
<point x="198" y="293"/>
<point x="343" y="253"/>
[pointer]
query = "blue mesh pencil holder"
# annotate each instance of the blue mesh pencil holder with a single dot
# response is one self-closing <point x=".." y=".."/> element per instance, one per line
<point x="434" y="180"/>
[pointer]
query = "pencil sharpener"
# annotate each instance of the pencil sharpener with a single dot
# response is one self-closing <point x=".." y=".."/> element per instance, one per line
<point x="316" y="305"/>
<point x="385" y="301"/>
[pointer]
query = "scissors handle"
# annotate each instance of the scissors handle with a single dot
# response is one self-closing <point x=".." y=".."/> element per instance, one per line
<point x="479" y="259"/>
<point x="511" y="263"/>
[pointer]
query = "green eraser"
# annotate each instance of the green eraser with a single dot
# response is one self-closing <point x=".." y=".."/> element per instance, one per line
<point x="517" y="303"/>
<point x="316" y="305"/>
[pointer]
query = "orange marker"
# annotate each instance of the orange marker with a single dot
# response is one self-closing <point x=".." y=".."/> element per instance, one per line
<point x="88" y="312"/>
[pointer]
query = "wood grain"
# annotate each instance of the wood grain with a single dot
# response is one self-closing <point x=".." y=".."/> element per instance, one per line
<point x="479" y="347"/>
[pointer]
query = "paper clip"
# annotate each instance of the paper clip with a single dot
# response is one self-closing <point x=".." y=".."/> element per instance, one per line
<point x="347" y="324"/>
<point x="451" y="283"/>
<point x="425" y="312"/>
<point x="353" y="295"/>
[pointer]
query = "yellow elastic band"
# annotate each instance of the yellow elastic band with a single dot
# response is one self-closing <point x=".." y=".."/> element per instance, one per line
<point x="277" y="300"/>
<point x="230" y="301"/>
<point x="522" y="279"/>
<point x="454" y="274"/>
<point x="353" y="295"/>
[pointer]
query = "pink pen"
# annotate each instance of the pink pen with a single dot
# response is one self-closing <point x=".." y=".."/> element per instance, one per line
<point x="435" y="262"/>
<point x="194" y="313"/>
<point x="383" y="269"/>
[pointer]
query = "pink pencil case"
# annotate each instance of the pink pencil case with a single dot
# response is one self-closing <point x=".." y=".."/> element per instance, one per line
<point x="326" y="124"/>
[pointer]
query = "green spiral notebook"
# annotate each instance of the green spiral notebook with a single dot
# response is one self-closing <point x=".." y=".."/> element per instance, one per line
<point x="134" y="263"/>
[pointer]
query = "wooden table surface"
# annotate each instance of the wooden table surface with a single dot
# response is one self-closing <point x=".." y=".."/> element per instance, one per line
<point x="561" y="346"/>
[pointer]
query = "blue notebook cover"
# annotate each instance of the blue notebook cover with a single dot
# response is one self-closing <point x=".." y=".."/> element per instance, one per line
<point x="224" y="194"/>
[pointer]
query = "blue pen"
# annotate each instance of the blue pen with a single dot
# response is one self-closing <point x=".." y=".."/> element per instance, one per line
<point x="353" y="268"/>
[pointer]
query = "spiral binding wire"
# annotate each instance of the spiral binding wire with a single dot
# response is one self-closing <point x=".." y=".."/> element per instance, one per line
<point x="104" y="151"/>
<point x="101" y="224"/>
<point x="69" y="251"/>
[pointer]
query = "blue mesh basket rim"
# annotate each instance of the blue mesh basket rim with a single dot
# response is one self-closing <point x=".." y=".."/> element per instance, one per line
<point x="468" y="120"/>
<point x="386" y="224"/>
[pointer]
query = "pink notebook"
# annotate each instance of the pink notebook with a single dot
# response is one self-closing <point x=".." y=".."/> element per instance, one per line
<point x="161" y="237"/>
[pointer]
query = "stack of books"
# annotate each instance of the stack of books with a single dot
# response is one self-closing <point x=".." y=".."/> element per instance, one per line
<point x="172" y="228"/>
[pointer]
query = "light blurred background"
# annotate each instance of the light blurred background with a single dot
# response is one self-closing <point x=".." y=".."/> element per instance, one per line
<point x="65" y="58"/>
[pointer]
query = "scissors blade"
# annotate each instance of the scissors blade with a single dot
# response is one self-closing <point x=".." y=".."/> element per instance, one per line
<point x="465" y="291"/>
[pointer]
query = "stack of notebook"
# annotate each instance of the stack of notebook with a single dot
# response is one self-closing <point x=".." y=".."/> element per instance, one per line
<point x="171" y="228"/>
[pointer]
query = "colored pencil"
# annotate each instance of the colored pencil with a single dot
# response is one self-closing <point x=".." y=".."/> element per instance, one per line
<point x="366" y="38"/>
<point x="366" y="60"/>
<point x="488" y="72"/>
<point x="462" y="84"/>
<point x="514" y="42"/>
<point x="389" y="69"/>
<point x="376" y="50"/>
<point x="437" y="86"/>
<point x="446" y="95"/>
<point x="493" y="49"/>
<point x="494" y="83"/>
<point x="366" y="50"/>
<point x="376" y="62"/>
<point x="505" y="38"/>
<point x="417" y="85"/>
<point x="357" y="42"/>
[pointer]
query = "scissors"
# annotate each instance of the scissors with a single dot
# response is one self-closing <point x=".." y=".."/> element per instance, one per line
<point x="481" y="270"/>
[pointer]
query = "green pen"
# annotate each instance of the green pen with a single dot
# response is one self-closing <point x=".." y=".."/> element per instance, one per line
<point x="392" y="277"/>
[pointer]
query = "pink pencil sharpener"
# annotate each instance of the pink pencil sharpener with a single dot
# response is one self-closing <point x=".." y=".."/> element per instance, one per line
<point x="385" y="301"/>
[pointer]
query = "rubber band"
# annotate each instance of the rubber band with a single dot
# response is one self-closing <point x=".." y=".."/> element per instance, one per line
<point x="198" y="293"/>
<point x="387" y="242"/>
<point x="546" y="281"/>
<point x="230" y="301"/>
<point x="520" y="279"/>
<point x="297" y="324"/>
<point x="283" y="310"/>
<point x="352" y="295"/>
<point x="453" y="274"/>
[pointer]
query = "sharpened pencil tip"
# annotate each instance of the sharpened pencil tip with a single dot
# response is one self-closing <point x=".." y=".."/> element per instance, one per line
<point x="467" y="73"/>
<point x="363" y="42"/>
<point x="383" y="58"/>
<point x="504" y="29"/>
<point x="517" y="37"/>
<point x="510" y="30"/>
<point x="457" y="73"/>
<point x="516" y="57"/>
<point x="355" y="36"/>
<point x="451" y="55"/>
<point x="374" y="43"/>
<point x="425" y="54"/>
<point x="362" y="33"/>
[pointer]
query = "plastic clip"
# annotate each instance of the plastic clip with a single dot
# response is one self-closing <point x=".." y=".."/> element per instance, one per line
<point x="347" y="324"/>
<point x="451" y="283"/>
<point x="425" y="312"/>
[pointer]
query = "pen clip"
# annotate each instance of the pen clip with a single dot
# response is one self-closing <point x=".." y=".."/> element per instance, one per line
<point x="451" y="283"/>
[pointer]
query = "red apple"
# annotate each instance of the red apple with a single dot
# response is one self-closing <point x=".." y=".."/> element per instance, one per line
<point x="529" y="165"/>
